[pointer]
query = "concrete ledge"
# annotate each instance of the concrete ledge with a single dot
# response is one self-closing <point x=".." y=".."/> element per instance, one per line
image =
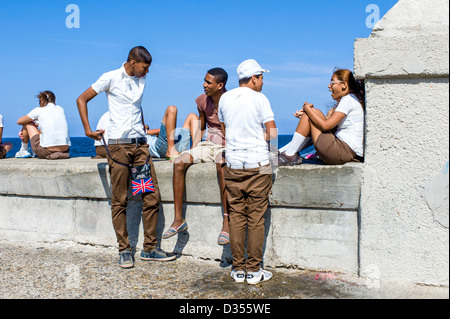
<point x="313" y="186"/>
<point x="312" y="222"/>
<point x="418" y="55"/>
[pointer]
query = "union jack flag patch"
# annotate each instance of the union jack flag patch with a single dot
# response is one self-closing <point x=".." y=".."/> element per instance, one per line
<point x="143" y="186"/>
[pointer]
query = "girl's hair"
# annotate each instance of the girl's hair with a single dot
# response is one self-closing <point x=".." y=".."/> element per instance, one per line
<point x="46" y="97"/>
<point x="355" y="86"/>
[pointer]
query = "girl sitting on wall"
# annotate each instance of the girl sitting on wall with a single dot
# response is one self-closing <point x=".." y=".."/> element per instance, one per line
<point x="51" y="141"/>
<point x="338" y="137"/>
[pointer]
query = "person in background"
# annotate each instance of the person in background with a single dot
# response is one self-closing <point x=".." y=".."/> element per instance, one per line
<point x="4" y="147"/>
<point x="248" y="123"/>
<point x="47" y="130"/>
<point x="338" y="137"/>
<point x="102" y="124"/>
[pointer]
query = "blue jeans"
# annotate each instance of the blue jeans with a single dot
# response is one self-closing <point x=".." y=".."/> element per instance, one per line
<point x="158" y="146"/>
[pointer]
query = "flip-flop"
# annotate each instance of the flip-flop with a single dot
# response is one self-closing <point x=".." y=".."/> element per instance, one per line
<point x="224" y="238"/>
<point x="173" y="157"/>
<point x="172" y="231"/>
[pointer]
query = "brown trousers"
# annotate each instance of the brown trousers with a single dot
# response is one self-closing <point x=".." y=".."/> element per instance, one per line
<point x="2" y="152"/>
<point x="136" y="155"/>
<point x="45" y="153"/>
<point x="333" y="151"/>
<point x="248" y="196"/>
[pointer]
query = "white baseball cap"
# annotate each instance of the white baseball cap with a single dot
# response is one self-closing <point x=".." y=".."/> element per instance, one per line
<point x="248" y="68"/>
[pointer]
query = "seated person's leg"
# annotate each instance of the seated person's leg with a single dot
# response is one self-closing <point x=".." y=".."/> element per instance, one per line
<point x="187" y="133"/>
<point x="4" y="149"/>
<point x="181" y="164"/>
<point x="24" y="148"/>
<point x="170" y="122"/>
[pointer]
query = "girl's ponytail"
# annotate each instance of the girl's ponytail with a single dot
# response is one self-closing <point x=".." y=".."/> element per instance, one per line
<point x="46" y="97"/>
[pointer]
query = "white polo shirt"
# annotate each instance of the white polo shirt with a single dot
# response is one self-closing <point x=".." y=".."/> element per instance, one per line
<point x="52" y="122"/>
<point x="124" y="94"/>
<point x="244" y="113"/>
<point x="103" y="124"/>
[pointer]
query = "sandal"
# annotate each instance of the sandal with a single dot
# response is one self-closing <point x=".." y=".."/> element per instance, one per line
<point x="173" y="157"/>
<point x="172" y="231"/>
<point x="224" y="238"/>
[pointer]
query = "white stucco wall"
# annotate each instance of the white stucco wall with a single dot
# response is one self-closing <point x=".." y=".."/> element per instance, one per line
<point x="404" y="212"/>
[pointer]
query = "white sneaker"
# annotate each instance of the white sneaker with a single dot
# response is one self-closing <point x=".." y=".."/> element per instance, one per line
<point x="238" y="276"/>
<point x="33" y="154"/>
<point x="23" y="153"/>
<point x="254" y="278"/>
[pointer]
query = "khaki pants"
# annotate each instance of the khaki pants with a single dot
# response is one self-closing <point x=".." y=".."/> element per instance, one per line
<point x="100" y="152"/>
<point x="207" y="152"/>
<point x="248" y="196"/>
<point x="136" y="155"/>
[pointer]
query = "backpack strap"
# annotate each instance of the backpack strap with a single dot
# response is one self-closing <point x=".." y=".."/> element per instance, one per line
<point x="109" y="155"/>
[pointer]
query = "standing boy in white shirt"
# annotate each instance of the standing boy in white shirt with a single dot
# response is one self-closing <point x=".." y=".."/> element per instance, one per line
<point x="248" y="123"/>
<point x="127" y="144"/>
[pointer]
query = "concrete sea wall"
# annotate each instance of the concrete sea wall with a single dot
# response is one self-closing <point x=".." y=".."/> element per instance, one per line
<point x="312" y="222"/>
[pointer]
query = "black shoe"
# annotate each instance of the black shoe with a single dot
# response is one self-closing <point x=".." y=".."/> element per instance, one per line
<point x="126" y="259"/>
<point x="286" y="160"/>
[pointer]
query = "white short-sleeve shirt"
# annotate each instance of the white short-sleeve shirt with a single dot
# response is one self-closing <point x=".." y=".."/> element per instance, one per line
<point x="103" y="124"/>
<point x="244" y="113"/>
<point x="1" y="120"/>
<point x="52" y="122"/>
<point x="351" y="128"/>
<point x="124" y="94"/>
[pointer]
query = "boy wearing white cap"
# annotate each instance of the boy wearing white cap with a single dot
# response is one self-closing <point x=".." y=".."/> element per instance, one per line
<point x="248" y="122"/>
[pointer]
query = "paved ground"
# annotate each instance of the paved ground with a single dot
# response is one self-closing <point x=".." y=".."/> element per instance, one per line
<point x="70" y="271"/>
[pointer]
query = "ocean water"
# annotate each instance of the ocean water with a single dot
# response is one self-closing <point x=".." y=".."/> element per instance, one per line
<point x="84" y="146"/>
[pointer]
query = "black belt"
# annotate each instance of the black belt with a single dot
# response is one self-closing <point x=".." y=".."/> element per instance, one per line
<point x="139" y="140"/>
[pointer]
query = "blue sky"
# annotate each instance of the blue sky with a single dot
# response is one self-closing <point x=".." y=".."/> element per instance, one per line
<point x="300" y="42"/>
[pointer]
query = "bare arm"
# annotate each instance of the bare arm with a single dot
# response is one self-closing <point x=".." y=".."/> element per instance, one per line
<point x="198" y="137"/>
<point x="324" y="124"/>
<point x="154" y="132"/>
<point x="271" y="131"/>
<point x="223" y="128"/>
<point x="82" y="102"/>
<point x="24" y="120"/>
<point x="330" y="112"/>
